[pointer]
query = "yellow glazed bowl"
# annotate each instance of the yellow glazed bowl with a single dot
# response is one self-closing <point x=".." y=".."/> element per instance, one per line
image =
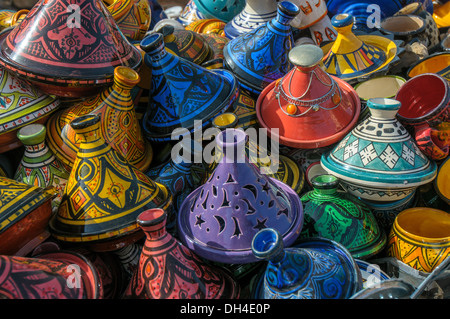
<point x="420" y="238"/>
<point x="442" y="181"/>
<point x="438" y="63"/>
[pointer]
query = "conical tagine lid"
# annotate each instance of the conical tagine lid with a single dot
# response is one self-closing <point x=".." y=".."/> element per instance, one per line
<point x="380" y="152"/>
<point x="308" y="107"/>
<point x="182" y="91"/>
<point x="219" y="219"/>
<point x="104" y="193"/>
<point x="354" y="57"/>
<point x="68" y="48"/>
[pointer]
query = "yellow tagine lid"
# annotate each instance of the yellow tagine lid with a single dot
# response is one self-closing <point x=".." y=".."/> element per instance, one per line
<point x="354" y="57"/>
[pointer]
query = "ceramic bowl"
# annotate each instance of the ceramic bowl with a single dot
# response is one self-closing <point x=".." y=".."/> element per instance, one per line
<point x="442" y="181"/>
<point x="438" y="63"/>
<point x="408" y="28"/>
<point x="441" y="15"/>
<point x="420" y="238"/>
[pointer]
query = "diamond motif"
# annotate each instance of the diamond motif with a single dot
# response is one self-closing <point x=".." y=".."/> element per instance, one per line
<point x="389" y="157"/>
<point x="368" y="154"/>
<point x="342" y="143"/>
<point x="408" y="155"/>
<point x="351" y="149"/>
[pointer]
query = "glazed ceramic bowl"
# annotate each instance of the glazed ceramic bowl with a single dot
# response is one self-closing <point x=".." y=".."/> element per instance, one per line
<point x="438" y="63"/>
<point x="408" y="28"/>
<point x="441" y="15"/>
<point x="442" y="181"/>
<point x="420" y="238"/>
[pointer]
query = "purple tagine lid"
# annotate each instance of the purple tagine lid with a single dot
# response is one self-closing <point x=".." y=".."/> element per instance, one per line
<point x="219" y="219"/>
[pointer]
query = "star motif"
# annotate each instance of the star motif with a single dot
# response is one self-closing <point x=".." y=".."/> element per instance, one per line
<point x="199" y="221"/>
<point x="261" y="224"/>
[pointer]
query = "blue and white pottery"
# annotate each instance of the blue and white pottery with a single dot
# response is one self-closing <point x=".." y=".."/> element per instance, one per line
<point x="255" y="14"/>
<point x="190" y="14"/>
<point x="314" y="268"/>
<point x="224" y="10"/>
<point x="259" y="57"/>
<point x="379" y="160"/>
<point x="182" y="92"/>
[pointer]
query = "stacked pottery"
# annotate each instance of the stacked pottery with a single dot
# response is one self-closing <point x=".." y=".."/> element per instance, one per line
<point x="315" y="269"/>
<point x="260" y="56"/>
<point x="182" y="92"/>
<point x="219" y="219"/>
<point x="169" y="270"/>
<point x="308" y="107"/>
<point x="104" y="193"/>
<point x="341" y="217"/>
<point x="255" y="14"/>
<point x="66" y="56"/>
<point x="39" y="166"/>
<point x="379" y="160"/>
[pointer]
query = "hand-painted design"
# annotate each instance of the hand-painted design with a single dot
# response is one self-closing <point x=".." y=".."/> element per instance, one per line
<point x="169" y="270"/>
<point x="317" y="271"/>
<point x="182" y="91"/>
<point x="260" y="56"/>
<point x="104" y="193"/>
<point x="341" y="217"/>
<point x="190" y="14"/>
<point x="10" y="18"/>
<point x="245" y="199"/>
<point x="224" y="10"/>
<point x="39" y="166"/>
<point x="93" y="43"/>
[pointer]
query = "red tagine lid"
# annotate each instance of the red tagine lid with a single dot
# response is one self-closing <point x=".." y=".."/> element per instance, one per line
<point x="309" y="107"/>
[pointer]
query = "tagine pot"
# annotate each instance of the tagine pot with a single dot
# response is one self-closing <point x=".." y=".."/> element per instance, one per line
<point x="323" y="31"/>
<point x="39" y="166"/>
<point x="24" y="216"/>
<point x="21" y="104"/>
<point x="379" y="160"/>
<point x="308" y="107"/>
<point x="255" y="14"/>
<point x="59" y="275"/>
<point x="356" y="57"/>
<point x="260" y="56"/>
<point x="182" y="92"/>
<point x="64" y="55"/>
<point x="315" y="269"/>
<point x="219" y="219"/>
<point x="425" y="101"/>
<point x="119" y="123"/>
<point x="133" y="17"/>
<point x="169" y="270"/>
<point x="224" y="10"/>
<point x="207" y="26"/>
<point x="341" y="217"/>
<point x="104" y="193"/>
<point x="10" y="18"/>
<point x="190" y="14"/>
<point x="420" y="238"/>
<point x="310" y="13"/>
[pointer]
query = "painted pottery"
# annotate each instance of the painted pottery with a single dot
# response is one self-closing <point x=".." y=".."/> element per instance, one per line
<point x="341" y="217"/>
<point x="310" y="13"/>
<point x="10" y="18"/>
<point x="119" y="123"/>
<point x="445" y="43"/>
<point x="260" y="56"/>
<point x="169" y="270"/>
<point x="39" y="166"/>
<point x="425" y="101"/>
<point x="384" y="86"/>
<point x="186" y="44"/>
<point x="21" y="104"/>
<point x="64" y="55"/>
<point x="278" y="166"/>
<point x="420" y="237"/>
<point x="219" y="219"/>
<point x="431" y="28"/>
<point x="441" y="15"/>
<point x="132" y="16"/>
<point x="379" y="160"/>
<point x="255" y="14"/>
<point x="308" y="107"/>
<point x="323" y="31"/>
<point x="442" y="181"/>
<point x="224" y="10"/>
<point x="104" y="193"/>
<point x="217" y="43"/>
<point x="182" y="92"/>
<point x="207" y="26"/>
<point x="438" y="63"/>
<point x="315" y="269"/>
<point x="190" y="14"/>
<point x="24" y="216"/>
<point x="354" y="57"/>
<point x="245" y="109"/>
<point x="408" y="28"/>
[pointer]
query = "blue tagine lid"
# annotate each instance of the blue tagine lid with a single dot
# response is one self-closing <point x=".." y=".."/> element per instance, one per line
<point x="315" y="268"/>
<point x="379" y="160"/>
